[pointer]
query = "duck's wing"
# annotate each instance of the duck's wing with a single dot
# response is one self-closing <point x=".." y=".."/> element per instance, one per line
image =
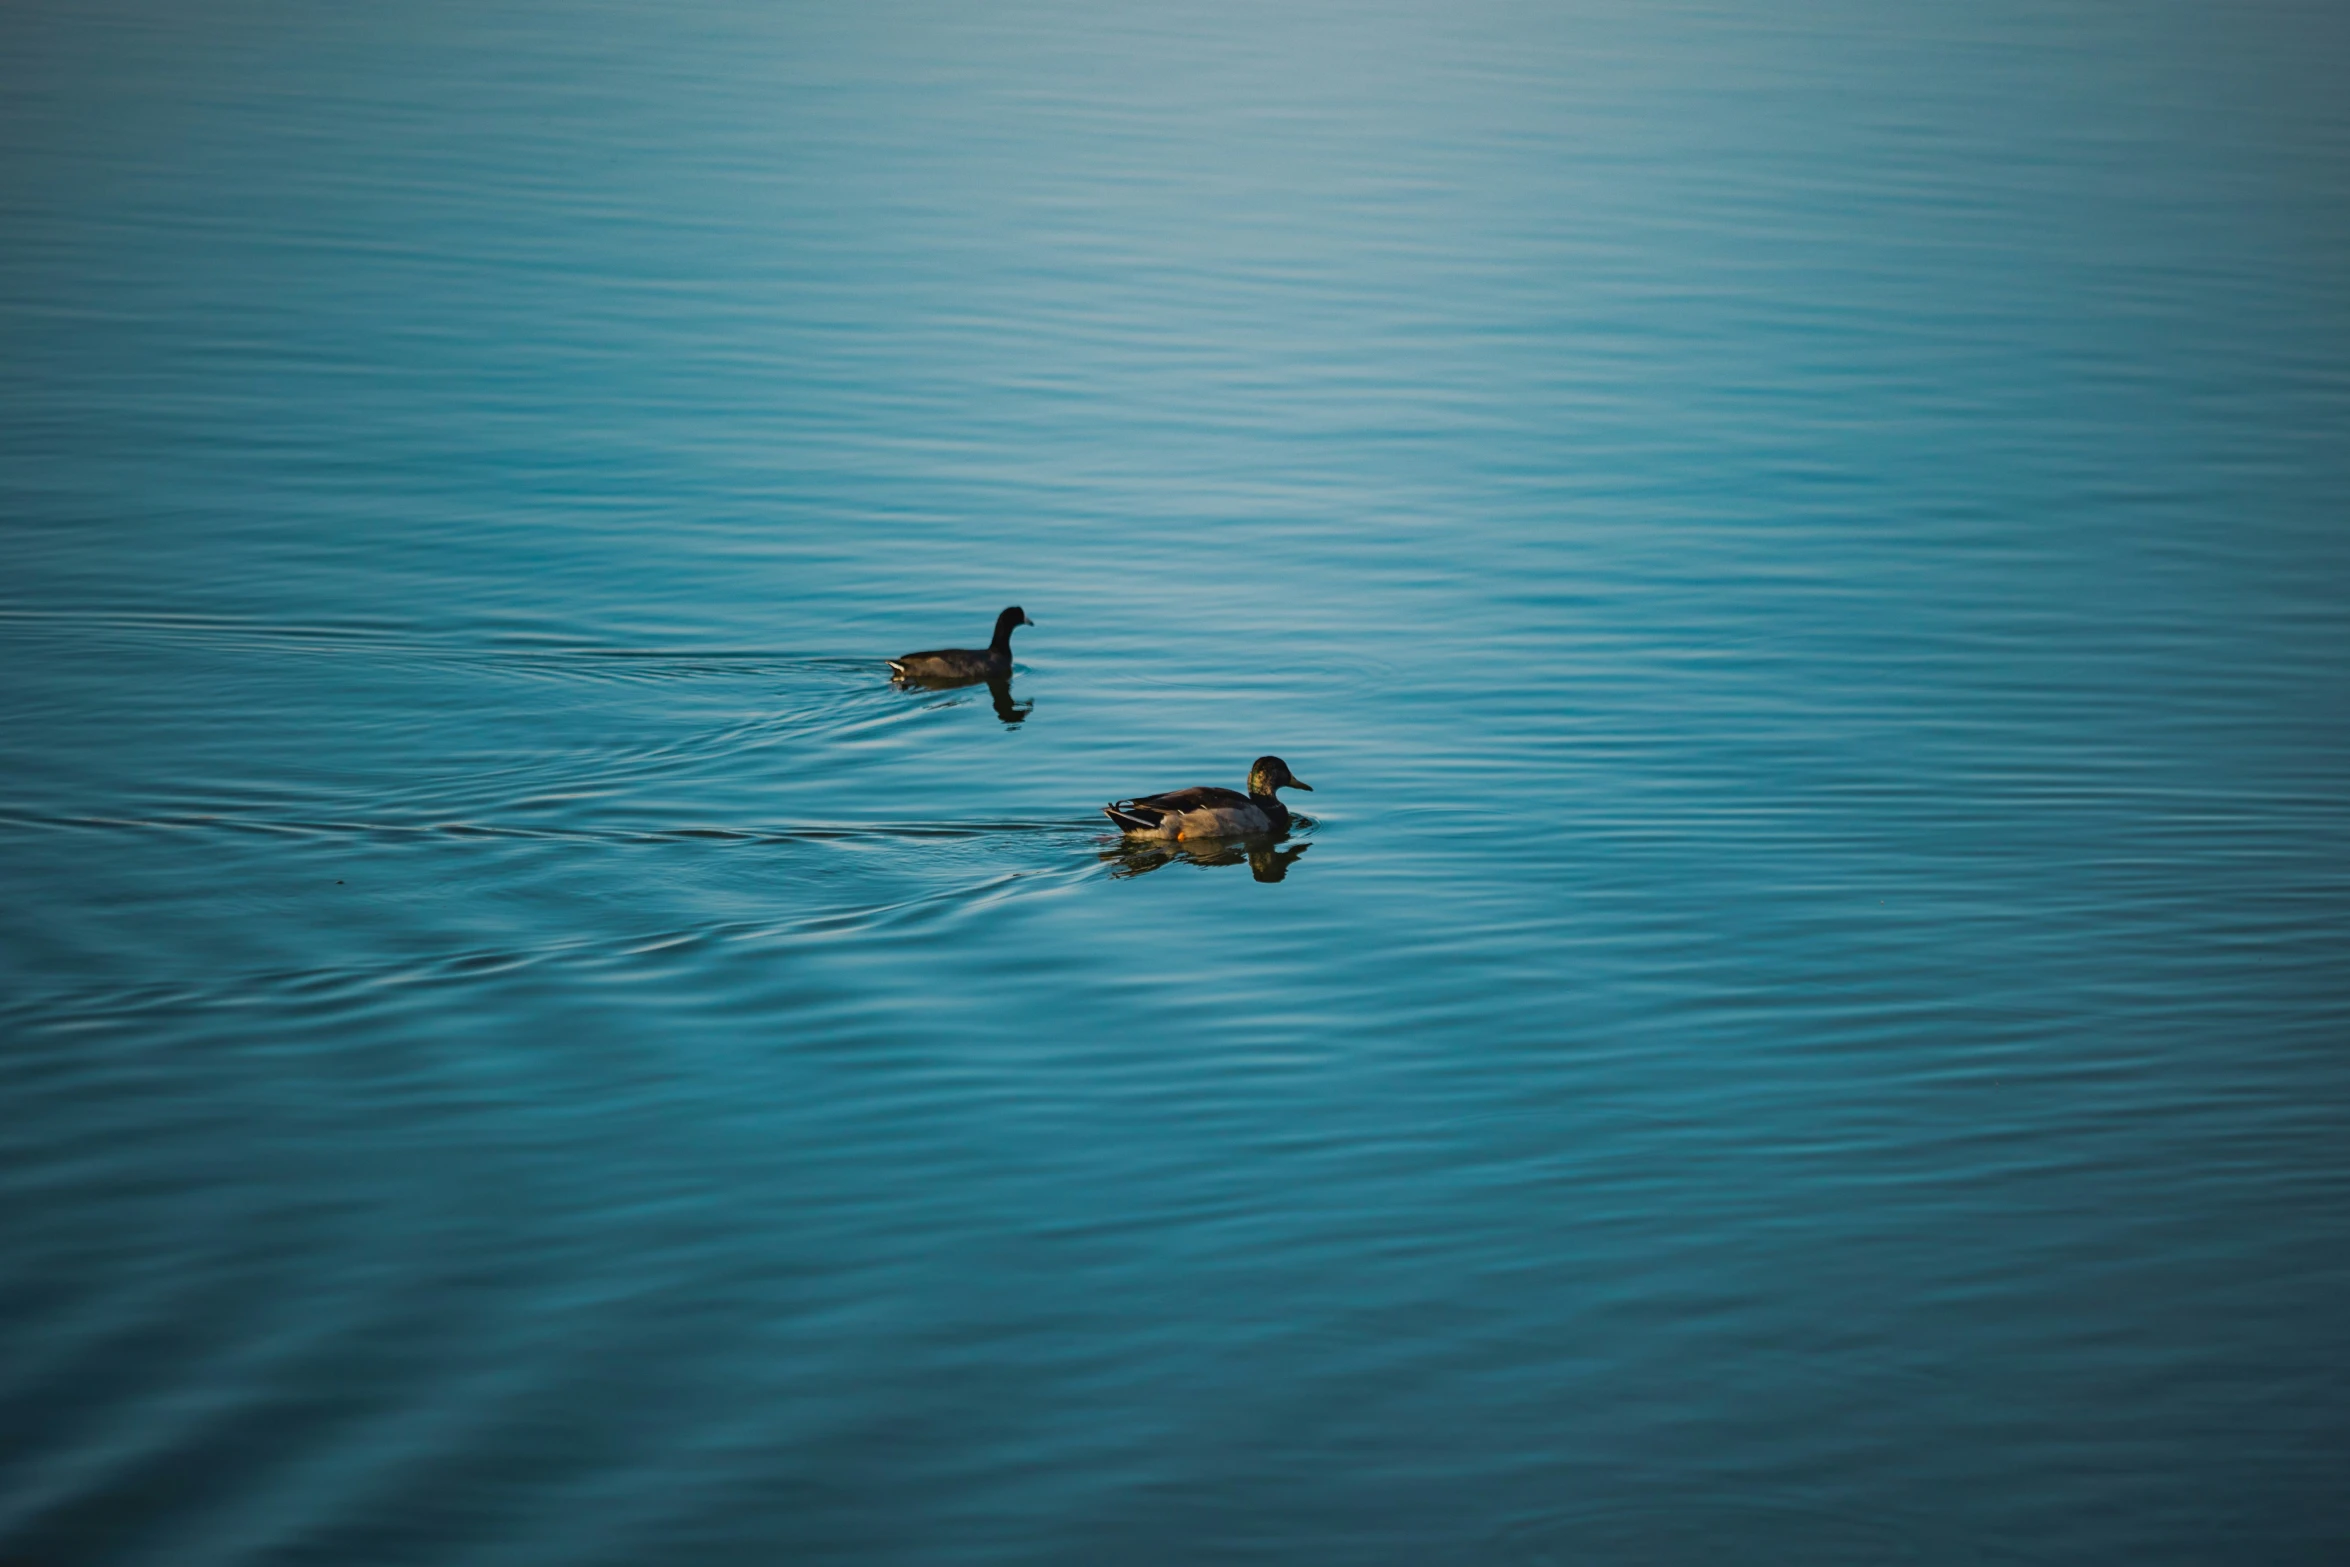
<point x="1182" y="802"/>
<point x="1150" y="812"/>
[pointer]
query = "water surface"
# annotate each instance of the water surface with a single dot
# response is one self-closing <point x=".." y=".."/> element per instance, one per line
<point x="1801" y="548"/>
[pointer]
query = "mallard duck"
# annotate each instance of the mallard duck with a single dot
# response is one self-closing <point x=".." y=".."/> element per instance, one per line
<point x="964" y="664"/>
<point x="1210" y="812"/>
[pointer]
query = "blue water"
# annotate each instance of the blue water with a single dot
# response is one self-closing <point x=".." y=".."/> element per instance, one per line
<point x="1802" y="548"/>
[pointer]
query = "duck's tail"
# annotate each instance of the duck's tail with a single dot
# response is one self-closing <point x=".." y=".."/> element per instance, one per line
<point x="897" y="668"/>
<point x="1131" y="817"/>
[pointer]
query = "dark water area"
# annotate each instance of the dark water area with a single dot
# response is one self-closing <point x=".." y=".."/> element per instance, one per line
<point x="1803" y="549"/>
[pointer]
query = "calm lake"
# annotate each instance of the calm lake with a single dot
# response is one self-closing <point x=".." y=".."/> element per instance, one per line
<point x="1802" y="548"/>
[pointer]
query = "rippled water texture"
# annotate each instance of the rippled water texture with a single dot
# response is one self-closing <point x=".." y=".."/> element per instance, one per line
<point x="1801" y="547"/>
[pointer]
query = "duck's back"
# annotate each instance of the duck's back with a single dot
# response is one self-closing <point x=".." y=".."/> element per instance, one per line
<point x="1200" y="797"/>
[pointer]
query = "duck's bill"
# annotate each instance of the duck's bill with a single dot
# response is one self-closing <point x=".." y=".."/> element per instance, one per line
<point x="1300" y="783"/>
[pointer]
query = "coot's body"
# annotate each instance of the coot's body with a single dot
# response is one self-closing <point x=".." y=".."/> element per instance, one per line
<point x="961" y="665"/>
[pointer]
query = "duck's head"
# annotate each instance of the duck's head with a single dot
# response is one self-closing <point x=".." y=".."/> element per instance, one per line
<point x="1015" y="616"/>
<point x="1269" y="773"/>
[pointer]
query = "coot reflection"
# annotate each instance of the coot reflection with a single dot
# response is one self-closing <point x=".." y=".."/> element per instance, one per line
<point x="999" y="691"/>
<point x="1265" y="857"/>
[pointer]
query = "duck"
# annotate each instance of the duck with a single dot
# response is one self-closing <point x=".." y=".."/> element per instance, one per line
<point x="965" y="664"/>
<point x="1206" y="811"/>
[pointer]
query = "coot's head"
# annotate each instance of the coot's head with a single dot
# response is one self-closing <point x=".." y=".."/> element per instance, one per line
<point x="1015" y="616"/>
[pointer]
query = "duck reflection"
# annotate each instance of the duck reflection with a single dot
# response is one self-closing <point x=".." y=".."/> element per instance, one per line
<point x="999" y="692"/>
<point x="1265" y="857"/>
